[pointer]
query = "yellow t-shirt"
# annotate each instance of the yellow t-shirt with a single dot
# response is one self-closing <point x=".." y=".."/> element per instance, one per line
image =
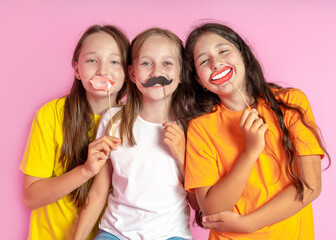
<point x="214" y="143"/>
<point x="41" y="159"/>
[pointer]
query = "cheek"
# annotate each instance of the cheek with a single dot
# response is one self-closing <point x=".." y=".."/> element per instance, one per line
<point x="203" y="75"/>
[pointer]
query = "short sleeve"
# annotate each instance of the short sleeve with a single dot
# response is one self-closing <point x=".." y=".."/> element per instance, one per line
<point x="40" y="153"/>
<point x="201" y="159"/>
<point x="104" y="123"/>
<point x="102" y="127"/>
<point x="303" y="138"/>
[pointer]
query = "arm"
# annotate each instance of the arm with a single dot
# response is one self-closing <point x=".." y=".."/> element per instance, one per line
<point x="223" y="195"/>
<point x="38" y="192"/>
<point x="282" y="206"/>
<point x="175" y="140"/>
<point x="96" y="200"/>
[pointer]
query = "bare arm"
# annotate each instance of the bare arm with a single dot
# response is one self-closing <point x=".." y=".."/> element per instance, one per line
<point x="96" y="201"/>
<point x="282" y="206"/>
<point x="223" y="195"/>
<point x="38" y="192"/>
<point x="175" y="140"/>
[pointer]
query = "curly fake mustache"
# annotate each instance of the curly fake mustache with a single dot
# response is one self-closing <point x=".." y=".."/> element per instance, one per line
<point x="157" y="80"/>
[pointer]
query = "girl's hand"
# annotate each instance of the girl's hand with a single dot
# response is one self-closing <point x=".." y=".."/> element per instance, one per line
<point x="98" y="153"/>
<point x="175" y="140"/>
<point x="253" y="129"/>
<point x="227" y="221"/>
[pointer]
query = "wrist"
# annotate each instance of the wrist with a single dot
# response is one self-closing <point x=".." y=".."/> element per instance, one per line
<point x="85" y="172"/>
<point x="251" y="223"/>
<point x="249" y="155"/>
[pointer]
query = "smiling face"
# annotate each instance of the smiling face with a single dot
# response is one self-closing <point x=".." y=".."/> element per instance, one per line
<point x="218" y="63"/>
<point x="99" y="57"/>
<point x="158" y="57"/>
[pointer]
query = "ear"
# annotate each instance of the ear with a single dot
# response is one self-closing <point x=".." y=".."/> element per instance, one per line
<point x="180" y="79"/>
<point x="75" y="66"/>
<point x="131" y="73"/>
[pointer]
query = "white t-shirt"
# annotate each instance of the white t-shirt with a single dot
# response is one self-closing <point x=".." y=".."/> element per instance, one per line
<point x="148" y="199"/>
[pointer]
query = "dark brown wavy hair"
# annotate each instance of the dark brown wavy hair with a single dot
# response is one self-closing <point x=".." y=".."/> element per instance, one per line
<point x="200" y="102"/>
<point x="131" y="109"/>
<point x="78" y="115"/>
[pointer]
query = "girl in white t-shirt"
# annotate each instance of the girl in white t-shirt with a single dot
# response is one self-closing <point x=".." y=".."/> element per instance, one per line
<point x="148" y="200"/>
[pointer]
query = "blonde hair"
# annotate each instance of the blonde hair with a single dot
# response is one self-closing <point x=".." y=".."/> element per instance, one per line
<point x="131" y="109"/>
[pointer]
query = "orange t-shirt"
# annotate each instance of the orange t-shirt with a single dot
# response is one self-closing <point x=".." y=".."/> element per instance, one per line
<point x="215" y="142"/>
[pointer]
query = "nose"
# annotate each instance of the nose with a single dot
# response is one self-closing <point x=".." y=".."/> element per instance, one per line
<point x="216" y="64"/>
<point x="156" y="71"/>
<point x="102" y="69"/>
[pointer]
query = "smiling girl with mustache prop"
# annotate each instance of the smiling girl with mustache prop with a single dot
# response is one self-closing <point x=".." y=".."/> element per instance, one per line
<point x="148" y="200"/>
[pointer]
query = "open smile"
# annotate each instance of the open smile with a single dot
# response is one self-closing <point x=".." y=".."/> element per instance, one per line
<point x="222" y="76"/>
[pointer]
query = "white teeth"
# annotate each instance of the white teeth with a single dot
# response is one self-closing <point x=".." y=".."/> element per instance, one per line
<point x="222" y="74"/>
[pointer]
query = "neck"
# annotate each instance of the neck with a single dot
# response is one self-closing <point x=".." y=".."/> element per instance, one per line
<point x="100" y="105"/>
<point x="155" y="111"/>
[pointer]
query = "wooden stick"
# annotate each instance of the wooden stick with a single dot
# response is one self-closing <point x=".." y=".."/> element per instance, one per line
<point x="110" y="112"/>
<point x="248" y="106"/>
<point x="164" y="92"/>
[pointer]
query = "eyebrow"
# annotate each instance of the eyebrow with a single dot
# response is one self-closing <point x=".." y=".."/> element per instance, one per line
<point x="216" y="46"/>
<point x="89" y="53"/>
<point x="164" y="57"/>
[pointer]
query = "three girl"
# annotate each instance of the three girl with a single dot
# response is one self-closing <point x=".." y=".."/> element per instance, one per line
<point x="254" y="172"/>
<point x="59" y="158"/>
<point x="146" y="171"/>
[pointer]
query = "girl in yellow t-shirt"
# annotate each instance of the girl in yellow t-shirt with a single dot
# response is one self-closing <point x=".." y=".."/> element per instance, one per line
<point x="61" y="156"/>
<point x="254" y="172"/>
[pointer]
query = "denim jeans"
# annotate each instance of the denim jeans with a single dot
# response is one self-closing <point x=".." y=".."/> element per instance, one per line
<point x="102" y="235"/>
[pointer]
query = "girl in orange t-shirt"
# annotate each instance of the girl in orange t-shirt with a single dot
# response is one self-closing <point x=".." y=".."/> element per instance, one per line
<point x="254" y="171"/>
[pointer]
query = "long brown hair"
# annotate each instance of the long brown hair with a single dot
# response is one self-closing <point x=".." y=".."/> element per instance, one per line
<point x="131" y="109"/>
<point x="200" y="102"/>
<point x="78" y="120"/>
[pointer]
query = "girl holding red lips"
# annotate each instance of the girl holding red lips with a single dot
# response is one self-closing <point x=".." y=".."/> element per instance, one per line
<point x="254" y="172"/>
<point x="148" y="200"/>
<point x="62" y="154"/>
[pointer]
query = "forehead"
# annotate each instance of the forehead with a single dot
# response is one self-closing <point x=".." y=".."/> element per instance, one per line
<point x="100" y="41"/>
<point x="158" y="45"/>
<point x="208" y="41"/>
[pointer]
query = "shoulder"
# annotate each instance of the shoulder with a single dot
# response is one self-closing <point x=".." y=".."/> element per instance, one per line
<point x="292" y="96"/>
<point x="208" y="116"/>
<point x="50" y="114"/>
<point x="206" y="120"/>
<point x="111" y="111"/>
<point x="53" y="106"/>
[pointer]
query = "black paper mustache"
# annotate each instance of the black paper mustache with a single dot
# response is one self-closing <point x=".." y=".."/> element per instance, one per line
<point x="157" y="80"/>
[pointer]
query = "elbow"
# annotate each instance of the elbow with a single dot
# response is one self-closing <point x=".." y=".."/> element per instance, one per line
<point x="28" y="201"/>
<point x="316" y="191"/>
<point x="312" y="192"/>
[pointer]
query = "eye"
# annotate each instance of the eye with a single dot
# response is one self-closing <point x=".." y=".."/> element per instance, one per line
<point x="145" y="64"/>
<point x="91" y="61"/>
<point x="167" y="63"/>
<point x="204" y="61"/>
<point x="222" y="51"/>
<point x="114" y="62"/>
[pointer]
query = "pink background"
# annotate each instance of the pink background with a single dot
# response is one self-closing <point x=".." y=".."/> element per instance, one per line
<point x="295" y="42"/>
